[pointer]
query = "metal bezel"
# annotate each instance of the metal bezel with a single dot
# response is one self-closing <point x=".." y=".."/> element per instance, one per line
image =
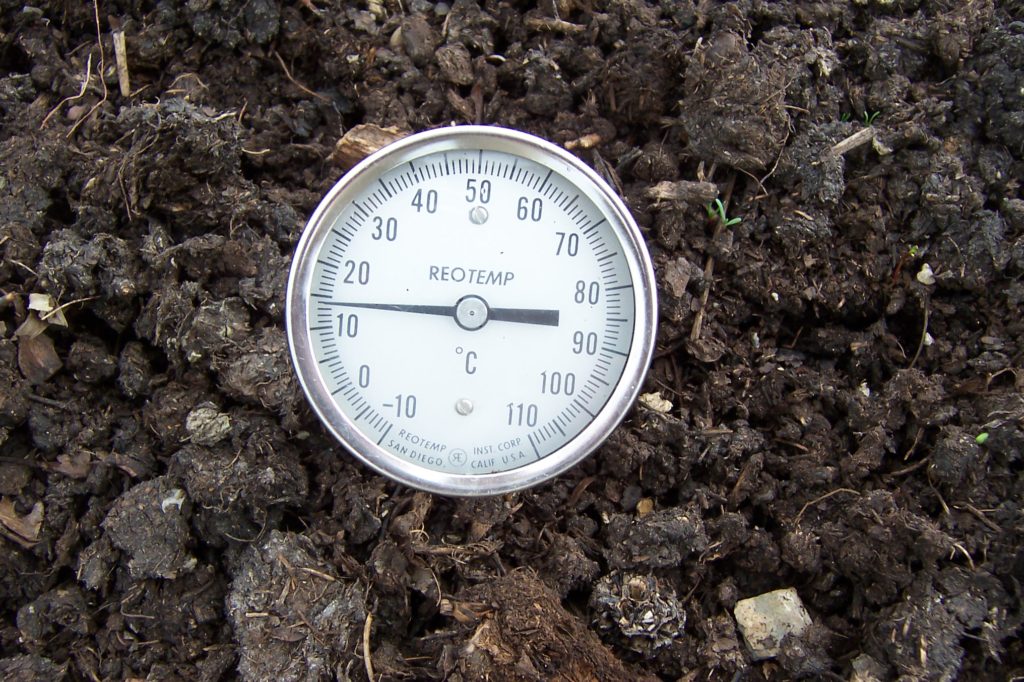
<point x="490" y="139"/>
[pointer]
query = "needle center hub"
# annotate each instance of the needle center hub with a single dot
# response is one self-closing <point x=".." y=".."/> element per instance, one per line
<point x="471" y="312"/>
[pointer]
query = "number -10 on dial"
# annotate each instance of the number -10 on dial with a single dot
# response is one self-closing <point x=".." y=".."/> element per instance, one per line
<point x="471" y="310"/>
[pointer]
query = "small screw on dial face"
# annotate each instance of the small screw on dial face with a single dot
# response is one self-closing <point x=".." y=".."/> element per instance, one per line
<point x="478" y="215"/>
<point x="478" y="268"/>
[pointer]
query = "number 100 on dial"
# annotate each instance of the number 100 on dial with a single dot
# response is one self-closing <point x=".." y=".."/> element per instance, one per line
<point x="471" y="310"/>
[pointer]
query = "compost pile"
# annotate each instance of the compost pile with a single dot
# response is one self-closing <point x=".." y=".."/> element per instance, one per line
<point x="838" y="372"/>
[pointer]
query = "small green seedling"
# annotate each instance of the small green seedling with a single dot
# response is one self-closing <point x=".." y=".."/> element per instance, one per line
<point x="845" y="117"/>
<point x="981" y="438"/>
<point x="717" y="210"/>
<point x="869" y="118"/>
<point x="914" y="250"/>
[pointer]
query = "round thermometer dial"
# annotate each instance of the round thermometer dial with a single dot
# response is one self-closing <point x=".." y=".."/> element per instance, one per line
<point x="471" y="310"/>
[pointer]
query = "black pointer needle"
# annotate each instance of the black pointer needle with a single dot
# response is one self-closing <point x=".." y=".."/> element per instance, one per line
<point x="401" y="308"/>
<point x="522" y="315"/>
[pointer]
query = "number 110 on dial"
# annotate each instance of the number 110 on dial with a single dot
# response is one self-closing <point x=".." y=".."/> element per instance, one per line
<point x="471" y="311"/>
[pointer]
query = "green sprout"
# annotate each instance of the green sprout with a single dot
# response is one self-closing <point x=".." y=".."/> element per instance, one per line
<point x="869" y="118"/>
<point x="981" y="438"/>
<point x="845" y="117"/>
<point x="716" y="209"/>
<point x="914" y="250"/>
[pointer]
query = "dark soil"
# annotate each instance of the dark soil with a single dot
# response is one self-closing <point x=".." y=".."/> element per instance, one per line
<point x="844" y="364"/>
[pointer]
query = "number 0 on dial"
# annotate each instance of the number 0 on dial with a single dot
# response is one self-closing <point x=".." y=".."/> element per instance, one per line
<point x="471" y="310"/>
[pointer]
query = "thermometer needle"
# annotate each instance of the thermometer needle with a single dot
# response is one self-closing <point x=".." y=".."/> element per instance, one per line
<point x="523" y="315"/>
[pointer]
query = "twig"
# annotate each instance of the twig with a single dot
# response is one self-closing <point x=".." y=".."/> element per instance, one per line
<point x="862" y="136"/>
<point x="945" y="507"/>
<point x="709" y="269"/>
<point x="173" y="89"/>
<point x="764" y="190"/>
<point x="296" y="83"/>
<point x="367" y="661"/>
<point x="910" y="469"/>
<point x="970" y="561"/>
<point x="916" y="441"/>
<point x="792" y="444"/>
<point x="22" y="265"/>
<point x="49" y="402"/>
<point x="578" y="491"/>
<point x="136" y="615"/>
<point x="822" y="499"/>
<point x="50" y="313"/>
<point x="308" y="4"/>
<point x="319" y="574"/>
<point x="976" y="513"/>
<point x="1006" y="370"/>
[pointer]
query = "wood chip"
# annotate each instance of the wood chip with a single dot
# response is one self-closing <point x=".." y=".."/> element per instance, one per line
<point x="645" y="506"/>
<point x="588" y="141"/>
<point x="549" y="25"/>
<point x="862" y="136"/>
<point x="683" y="191"/>
<point x="121" y="58"/>
<point x="361" y="141"/>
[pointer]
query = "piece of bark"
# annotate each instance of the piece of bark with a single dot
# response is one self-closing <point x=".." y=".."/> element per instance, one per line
<point x="37" y="359"/>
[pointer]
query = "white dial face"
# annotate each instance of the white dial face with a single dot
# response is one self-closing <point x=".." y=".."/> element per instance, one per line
<point x="467" y="311"/>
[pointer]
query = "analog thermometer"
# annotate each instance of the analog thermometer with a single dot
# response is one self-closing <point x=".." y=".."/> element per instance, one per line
<point x="471" y="310"/>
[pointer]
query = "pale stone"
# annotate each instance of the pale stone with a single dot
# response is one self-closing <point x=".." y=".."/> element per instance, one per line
<point x="654" y="401"/>
<point x="925" y="275"/>
<point x="866" y="669"/>
<point x="766" y="619"/>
